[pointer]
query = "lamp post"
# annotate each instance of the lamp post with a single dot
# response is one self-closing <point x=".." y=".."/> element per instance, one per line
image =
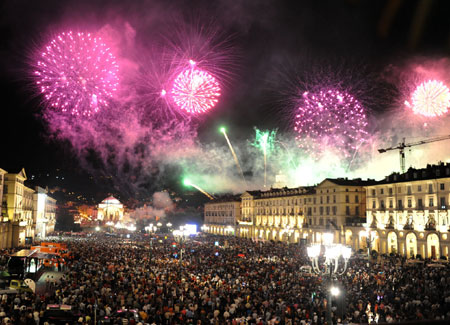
<point x="332" y="253"/>
<point x="180" y="237"/>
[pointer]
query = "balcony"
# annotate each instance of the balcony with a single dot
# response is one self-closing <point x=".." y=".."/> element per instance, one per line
<point x="354" y="221"/>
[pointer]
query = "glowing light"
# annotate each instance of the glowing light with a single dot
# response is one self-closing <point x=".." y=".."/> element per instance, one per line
<point x="330" y="118"/>
<point x="195" y="91"/>
<point x="265" y="141"/>
<point x="77" y="73"/>
<point x="431" y="98"/>
<point x="187" y="182"/>
<point x="223" y="129"/>
<point x="236" y="160"/>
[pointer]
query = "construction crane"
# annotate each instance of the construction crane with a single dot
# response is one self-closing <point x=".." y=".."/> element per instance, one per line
<point x="402" y="145"/>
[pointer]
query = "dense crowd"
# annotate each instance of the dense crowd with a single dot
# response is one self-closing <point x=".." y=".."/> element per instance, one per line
<point x="119" y="281"/>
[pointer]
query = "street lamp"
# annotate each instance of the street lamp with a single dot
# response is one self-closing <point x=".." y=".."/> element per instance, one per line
<point x="332" y="253"/>
<point x="180" y="236"/>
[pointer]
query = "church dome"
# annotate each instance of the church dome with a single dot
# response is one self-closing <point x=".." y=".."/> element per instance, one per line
<point x="110" y="200"/>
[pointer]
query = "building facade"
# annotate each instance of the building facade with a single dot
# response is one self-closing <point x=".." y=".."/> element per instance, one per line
<point x="44" y="213"/>
<point x="4" y="224"/>
<point x="17" y="210"/>
<point x="409" y="213"/>
<point x="110" y="210"/>
<point x="302" y="214"/>
<point x="221" y="215"/>
<point x="305" y="213"/>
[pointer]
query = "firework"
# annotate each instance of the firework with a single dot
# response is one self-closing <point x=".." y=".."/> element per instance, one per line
<point x="265" y="141"/>
<point x="330" y="119"/>
<point x="77" y="73"/>
<point x="224" y="132"/>
<point x="194" y="90"/>
<point x="187" y="182"/>
<point x="430" y="99"/>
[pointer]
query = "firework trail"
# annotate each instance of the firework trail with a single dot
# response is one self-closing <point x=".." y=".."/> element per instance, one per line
<point x="187" y="182"/>
<point x="224" y="131"/>
<point x="77" y="73"/>
<point x="288" y="153"/>
<point x="195" y="91"/>
<point x="265" y="140"/>
<point x="330" y="119"/>
<point x="430" y="99"/>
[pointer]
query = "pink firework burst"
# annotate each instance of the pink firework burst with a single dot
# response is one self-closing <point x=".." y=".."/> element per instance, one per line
<point x="77" y="73"/>
<point x="430" y="99"/>
<point x="195" y="91"/>
<point x="330" y="119"/>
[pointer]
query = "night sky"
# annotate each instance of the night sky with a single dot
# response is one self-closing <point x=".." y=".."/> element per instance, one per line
<point x="270" y="39"/>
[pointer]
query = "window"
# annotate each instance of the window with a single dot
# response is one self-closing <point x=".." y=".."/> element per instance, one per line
<point x="309" y="213"/>
<point x="382" y="204"/>
<point x="334" y="210"/>
<point x="356" y="199"/>
<point x="327" y="209"/>
<point x="321" y="200"/>
<point x="442" y="186"/>
<point x="430" y="202"/>
<point x="442" y="202"/>
<point x="409" y="203"/>
<point x="420" y="203"/>
<point x="347" y="200"/>
<point x="334" y="198"/>
<point x="321" y="210"/>
<point x="314" y="200"/>
<point x="357" y="211"/>
<point x="419" y="188"/>
<point x="328" y="199"/>
<point x="391" y="204"/>
<point x="346" y="189"/>
<point x="390" y="190"/>
<point x="399" y="190"/>
<point x="399" y="204"/>
<point x="347" y="210"/>
<point x="320" y="222"/>
<point x="409" y="189"/>
<point x="373" y="192"/>
<point x="381" y="191"/>
<point x="373" y="204"/>
<point x="430" y="188"/>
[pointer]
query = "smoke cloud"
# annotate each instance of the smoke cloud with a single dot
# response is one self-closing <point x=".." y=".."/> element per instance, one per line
<point x="143" y="142"/>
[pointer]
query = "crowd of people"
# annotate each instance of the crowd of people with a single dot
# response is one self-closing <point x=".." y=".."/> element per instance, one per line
<point x="228" y="280"/>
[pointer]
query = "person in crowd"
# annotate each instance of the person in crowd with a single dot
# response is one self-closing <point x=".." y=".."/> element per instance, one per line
<point x="246" y="282"/>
